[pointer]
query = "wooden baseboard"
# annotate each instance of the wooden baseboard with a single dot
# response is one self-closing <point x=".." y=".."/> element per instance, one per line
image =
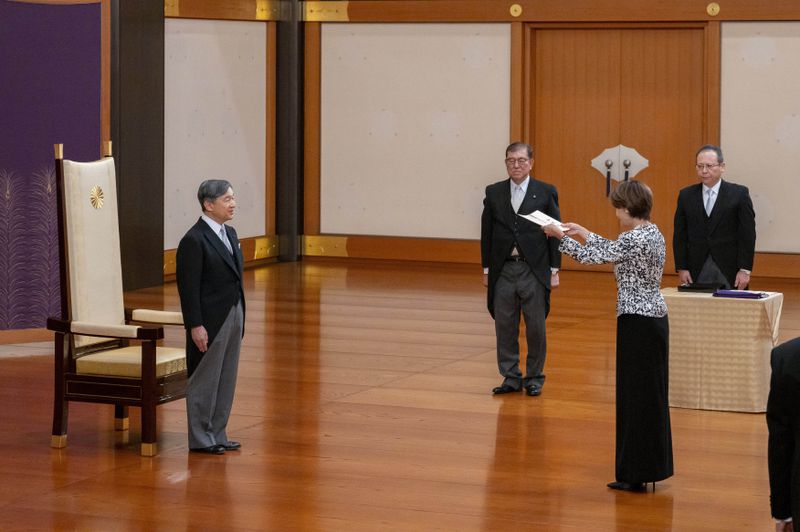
<point x="393" y="248"/>
<point x="770" y="265"/>
<point x="780" y="265"/>
<point x="24" y="336"/>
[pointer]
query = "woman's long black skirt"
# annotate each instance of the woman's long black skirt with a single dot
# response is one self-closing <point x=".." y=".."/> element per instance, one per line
<point x="644" y="437"/>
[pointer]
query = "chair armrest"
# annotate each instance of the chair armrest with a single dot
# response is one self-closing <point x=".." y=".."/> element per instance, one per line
<point x="58" y="325"/>
<point x="105" y="329"/>
<point x="165" y="317"/>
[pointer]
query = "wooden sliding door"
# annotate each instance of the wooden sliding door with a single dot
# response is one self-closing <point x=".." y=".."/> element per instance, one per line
<point x="594" y="87"/>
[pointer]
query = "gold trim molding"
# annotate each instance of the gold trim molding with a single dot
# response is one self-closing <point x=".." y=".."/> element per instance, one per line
<point x="265" y="247"/>
<point x="253" y="249"/>
<point x="328" y="11"/>
<point x="325" y="246"/>
<point x="268" y="10"/>
<point x="172" y="8"/>
<point x="259" y="10"/>
<point x="169" y="261"/>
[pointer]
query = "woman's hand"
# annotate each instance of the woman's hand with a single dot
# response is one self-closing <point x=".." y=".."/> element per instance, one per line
<point x="574" y="230"/>
<point x="553" y="230"/>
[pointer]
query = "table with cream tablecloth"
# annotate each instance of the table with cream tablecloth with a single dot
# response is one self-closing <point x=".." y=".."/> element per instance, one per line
<point x="719" y="350"/>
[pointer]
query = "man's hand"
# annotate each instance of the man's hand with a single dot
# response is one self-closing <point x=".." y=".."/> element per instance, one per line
<point x="684" y="277"/>
<point x="742" y="280"/>
<point x="783" y="526"/>
<point x="554" y="281"/>
<point x="200" y="338"/>
<point x="485" y="279"/>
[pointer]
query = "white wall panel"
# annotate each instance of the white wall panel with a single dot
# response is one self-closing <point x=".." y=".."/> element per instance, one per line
<point x="415" y="118"/>
<point x="761" y="124"/>
<point x="215" y="120"/>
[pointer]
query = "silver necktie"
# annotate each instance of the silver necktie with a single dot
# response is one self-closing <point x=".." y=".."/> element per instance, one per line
<point x="225" y="240"/>
<point x="517" y="197"/>
<point x="710" y="202"/>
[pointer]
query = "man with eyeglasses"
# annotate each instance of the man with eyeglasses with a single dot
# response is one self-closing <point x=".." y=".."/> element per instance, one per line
<point x="714" y="237"/>
<point x="520" y="265"/>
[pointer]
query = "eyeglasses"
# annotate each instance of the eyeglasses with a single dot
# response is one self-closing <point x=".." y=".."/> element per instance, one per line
<point x="522" y="161"/>
<point x="703" y="167"/>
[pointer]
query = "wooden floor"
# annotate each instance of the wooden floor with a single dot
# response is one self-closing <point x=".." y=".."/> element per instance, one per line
<point x="364" y="403"/>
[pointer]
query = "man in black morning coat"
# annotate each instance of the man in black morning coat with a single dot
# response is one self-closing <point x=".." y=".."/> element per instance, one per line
<point x="520" y="265"/>
<point x="209" y="272"/>
<point x="783" y="421"/>
<point x="715" y="227"/>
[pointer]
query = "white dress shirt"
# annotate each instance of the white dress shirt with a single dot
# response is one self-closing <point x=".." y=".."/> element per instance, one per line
<point x="219" y="231"/>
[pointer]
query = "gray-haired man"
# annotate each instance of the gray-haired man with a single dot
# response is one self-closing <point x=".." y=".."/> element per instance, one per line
<point x="209" y="273"/>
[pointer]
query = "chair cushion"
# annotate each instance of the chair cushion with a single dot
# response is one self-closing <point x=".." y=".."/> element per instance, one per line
<point x="127" y="362"/>
<point x="157" y="316"/>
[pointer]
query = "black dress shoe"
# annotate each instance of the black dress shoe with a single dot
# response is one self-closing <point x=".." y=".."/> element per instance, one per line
<point x="212" y="449"/>
<point x="504" y="388"/>
<point x="533" y="390"/>
<point x="232" y="446"/>
<point x="636" y="487"/>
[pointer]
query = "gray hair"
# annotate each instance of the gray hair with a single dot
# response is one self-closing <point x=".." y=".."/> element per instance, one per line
<point x="516" y="146"/>
<point x="712" y="147"/>
<point x="210" y="190"/>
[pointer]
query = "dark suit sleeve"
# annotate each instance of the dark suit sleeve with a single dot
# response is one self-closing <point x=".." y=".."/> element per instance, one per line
<point x="747" y="231"/>
<point x="680" y="237"/>
<point x="781" y="441"/>
<point x="189" y="274"/>
<point x="554" y="211"/>
<point x="486" y="231"/>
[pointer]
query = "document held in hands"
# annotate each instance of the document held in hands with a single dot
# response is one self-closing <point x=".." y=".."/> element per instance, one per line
<point x="540" y="218"/>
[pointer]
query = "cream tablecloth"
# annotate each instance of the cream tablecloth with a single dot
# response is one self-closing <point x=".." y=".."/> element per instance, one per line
<point x="719" y="350"/>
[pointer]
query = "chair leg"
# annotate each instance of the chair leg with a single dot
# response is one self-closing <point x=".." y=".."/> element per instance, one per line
<point x="149" y="438"/>
<point x="58" y="439"/>
<point x="149" y="449"/>
<point x="121" y="419"/>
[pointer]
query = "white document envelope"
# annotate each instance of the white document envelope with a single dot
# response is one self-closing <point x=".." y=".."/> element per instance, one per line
<point x="540" y="218"/>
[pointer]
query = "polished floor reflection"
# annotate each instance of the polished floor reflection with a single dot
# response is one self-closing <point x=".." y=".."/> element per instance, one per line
<point x="364" y="403"/>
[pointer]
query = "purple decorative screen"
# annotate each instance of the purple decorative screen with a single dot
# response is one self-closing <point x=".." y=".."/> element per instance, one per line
<point x="49" y="93"/>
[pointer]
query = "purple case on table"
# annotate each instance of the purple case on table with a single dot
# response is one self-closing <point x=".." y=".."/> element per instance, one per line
<point x="742" y="294"/>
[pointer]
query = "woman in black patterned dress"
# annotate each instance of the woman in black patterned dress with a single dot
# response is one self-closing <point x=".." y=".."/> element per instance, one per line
<point x="644" y="440"/>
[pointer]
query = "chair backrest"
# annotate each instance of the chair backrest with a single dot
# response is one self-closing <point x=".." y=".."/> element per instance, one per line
<point x="91" y="231"/>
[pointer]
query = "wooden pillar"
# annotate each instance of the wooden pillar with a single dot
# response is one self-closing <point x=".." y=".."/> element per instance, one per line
<point x="137" y="133"/>
<point x="289" y="132"/>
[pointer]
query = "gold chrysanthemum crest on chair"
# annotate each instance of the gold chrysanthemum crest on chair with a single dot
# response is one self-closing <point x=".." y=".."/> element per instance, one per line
<point x="105" y="353"/>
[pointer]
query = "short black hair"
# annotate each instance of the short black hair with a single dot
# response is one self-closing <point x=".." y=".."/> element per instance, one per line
<point x="635" y="197"/>
<point x="210" y="190"/>
<point x="518" y="145"/>
<point x="712" y="147"/>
